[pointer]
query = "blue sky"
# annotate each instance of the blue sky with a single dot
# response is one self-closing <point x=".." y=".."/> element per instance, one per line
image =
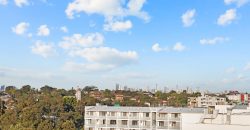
<point x="138" y="43"/>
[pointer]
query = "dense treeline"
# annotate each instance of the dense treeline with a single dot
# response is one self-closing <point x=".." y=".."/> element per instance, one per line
<point x="44" y="109"/>
<point x="50" y="108"/>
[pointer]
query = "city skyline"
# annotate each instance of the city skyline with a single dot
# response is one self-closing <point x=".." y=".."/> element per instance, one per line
<point x="134" y="43"/>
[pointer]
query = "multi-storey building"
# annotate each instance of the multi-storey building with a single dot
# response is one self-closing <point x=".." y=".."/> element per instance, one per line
<point x="205" y="101"/>
<point x="78" y="94"/>
<point x="132" y="118"/>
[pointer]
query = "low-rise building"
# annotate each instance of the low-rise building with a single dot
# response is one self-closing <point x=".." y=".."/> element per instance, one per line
<point x="192" y="102"/>
<point x="95" y="94"/>
<point x="119" y="97"/>
<point x="132" y="118"/>
<point x="206" y="100"/>
<point x="238" y="98"/>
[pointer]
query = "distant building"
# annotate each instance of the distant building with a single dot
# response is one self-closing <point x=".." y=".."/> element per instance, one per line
<point x="206" y="101"/>
<point x="192" y="102"/>
<point x="78" y="94"/>
<point x="125" y="88"/>
<point x="2" y="88"/>
<point x="239" y="98"/>
<point x="95" y="94"/>
<point x="119" y="97"/>
<point x="117" y="87"/>
<point x="132" y="118"/>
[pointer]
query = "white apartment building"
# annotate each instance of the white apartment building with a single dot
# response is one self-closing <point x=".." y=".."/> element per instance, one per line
<point x="132" y="118"/>
<point x="206" y="100"/>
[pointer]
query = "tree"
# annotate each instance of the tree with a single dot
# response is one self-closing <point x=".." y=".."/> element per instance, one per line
<point x="68" y="125"/>
<point x="46" y="89"/>
<point x="45" y="125"/>
<point x="90" y="88"/>
<point x="26" y="88"/>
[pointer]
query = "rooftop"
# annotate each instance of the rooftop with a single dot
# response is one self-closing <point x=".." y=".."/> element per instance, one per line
<point x="144" y="109"/>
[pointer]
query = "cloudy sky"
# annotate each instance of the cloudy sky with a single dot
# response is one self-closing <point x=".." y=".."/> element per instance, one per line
<point x="138" y="43"/>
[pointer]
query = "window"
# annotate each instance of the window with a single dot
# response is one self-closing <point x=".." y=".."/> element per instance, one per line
<point x="112" y="113"/>
<point x="113" y="122"/>
<point x="134" y="122"/>
<point x="161" y="123"/>
<point x="102" y="113"/>
<point x="147" y="114"/>
<point x="134" y="114"/>
<point x="124" y="122"/>
<point x="124" y="114"/>
<point x="103" y="122"/>
<point x="176" y="115"/>
<point x="91" y="113"/>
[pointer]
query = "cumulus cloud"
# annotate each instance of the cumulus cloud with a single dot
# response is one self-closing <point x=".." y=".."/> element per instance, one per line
<point x="227" y="18"/>
<point x="239" y="3"/>
<point x="3" y="2"/>
<point x="188" y="18"/>
<point x="106" y="55"/>
<point x="179" y="47"/>
<point x="101" y="58"/>
<point x="213" y="41"/>
<point x="114" y="8"/>
<point x="21" y="3"/>
<point x="20" y="28"/>
<point x="118" y="26"/>
<point x="156" y="48"/>
<point x="176" y="47"/>
<point x="90" y="48"/>
<point x="78" y="41"/>
<point x="247" y="67"/>
<point x="43" y="30"/>
<point x="64" y="29"/>
<point x="43" y="49"/>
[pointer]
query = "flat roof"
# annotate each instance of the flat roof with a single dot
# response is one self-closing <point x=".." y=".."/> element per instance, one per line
<point x="144" y="109"/>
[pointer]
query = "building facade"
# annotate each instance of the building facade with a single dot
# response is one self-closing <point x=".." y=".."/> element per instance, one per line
<point x="131" y="118"/>
<point x="78" y="94"/>
<point x="206" y="101"/>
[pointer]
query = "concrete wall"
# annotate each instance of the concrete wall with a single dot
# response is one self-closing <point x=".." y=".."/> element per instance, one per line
<point x="191" y="122"/>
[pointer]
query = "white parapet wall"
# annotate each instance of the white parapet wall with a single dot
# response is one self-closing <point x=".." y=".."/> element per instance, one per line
<point x="239" y="122"/>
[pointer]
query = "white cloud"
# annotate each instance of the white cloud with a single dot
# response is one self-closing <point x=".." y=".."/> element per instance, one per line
<point x="114" y="8"/>
<point x="3" y="2"/>
<point x="43" y="30"/>
<point x="179" y="47"/>
<point x="101" y="58"/>
<point x="78" y="41"/>
<point x="239" y="3"/>
<point x="21" y="3"/>
<point x="90" y="48"/>
<point x="82" y="67"/>
<point x="156" y="47"/>
<point x="106" y="55"/>
<point x="118" y="26"/>
<point x="238" y="79"/>
<point x="227" y="18"/>
<point x="188" y="18"/>
<point x="230" y="70"/>
<point x="64" y="29"/>
<point x="43" y="49"/>
<point x="247" y="67"/>
<point x="20" y="28"/>
<point x="214" y="40"/>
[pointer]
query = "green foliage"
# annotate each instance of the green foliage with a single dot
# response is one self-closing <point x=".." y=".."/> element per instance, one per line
<point x="41" y="110"/>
